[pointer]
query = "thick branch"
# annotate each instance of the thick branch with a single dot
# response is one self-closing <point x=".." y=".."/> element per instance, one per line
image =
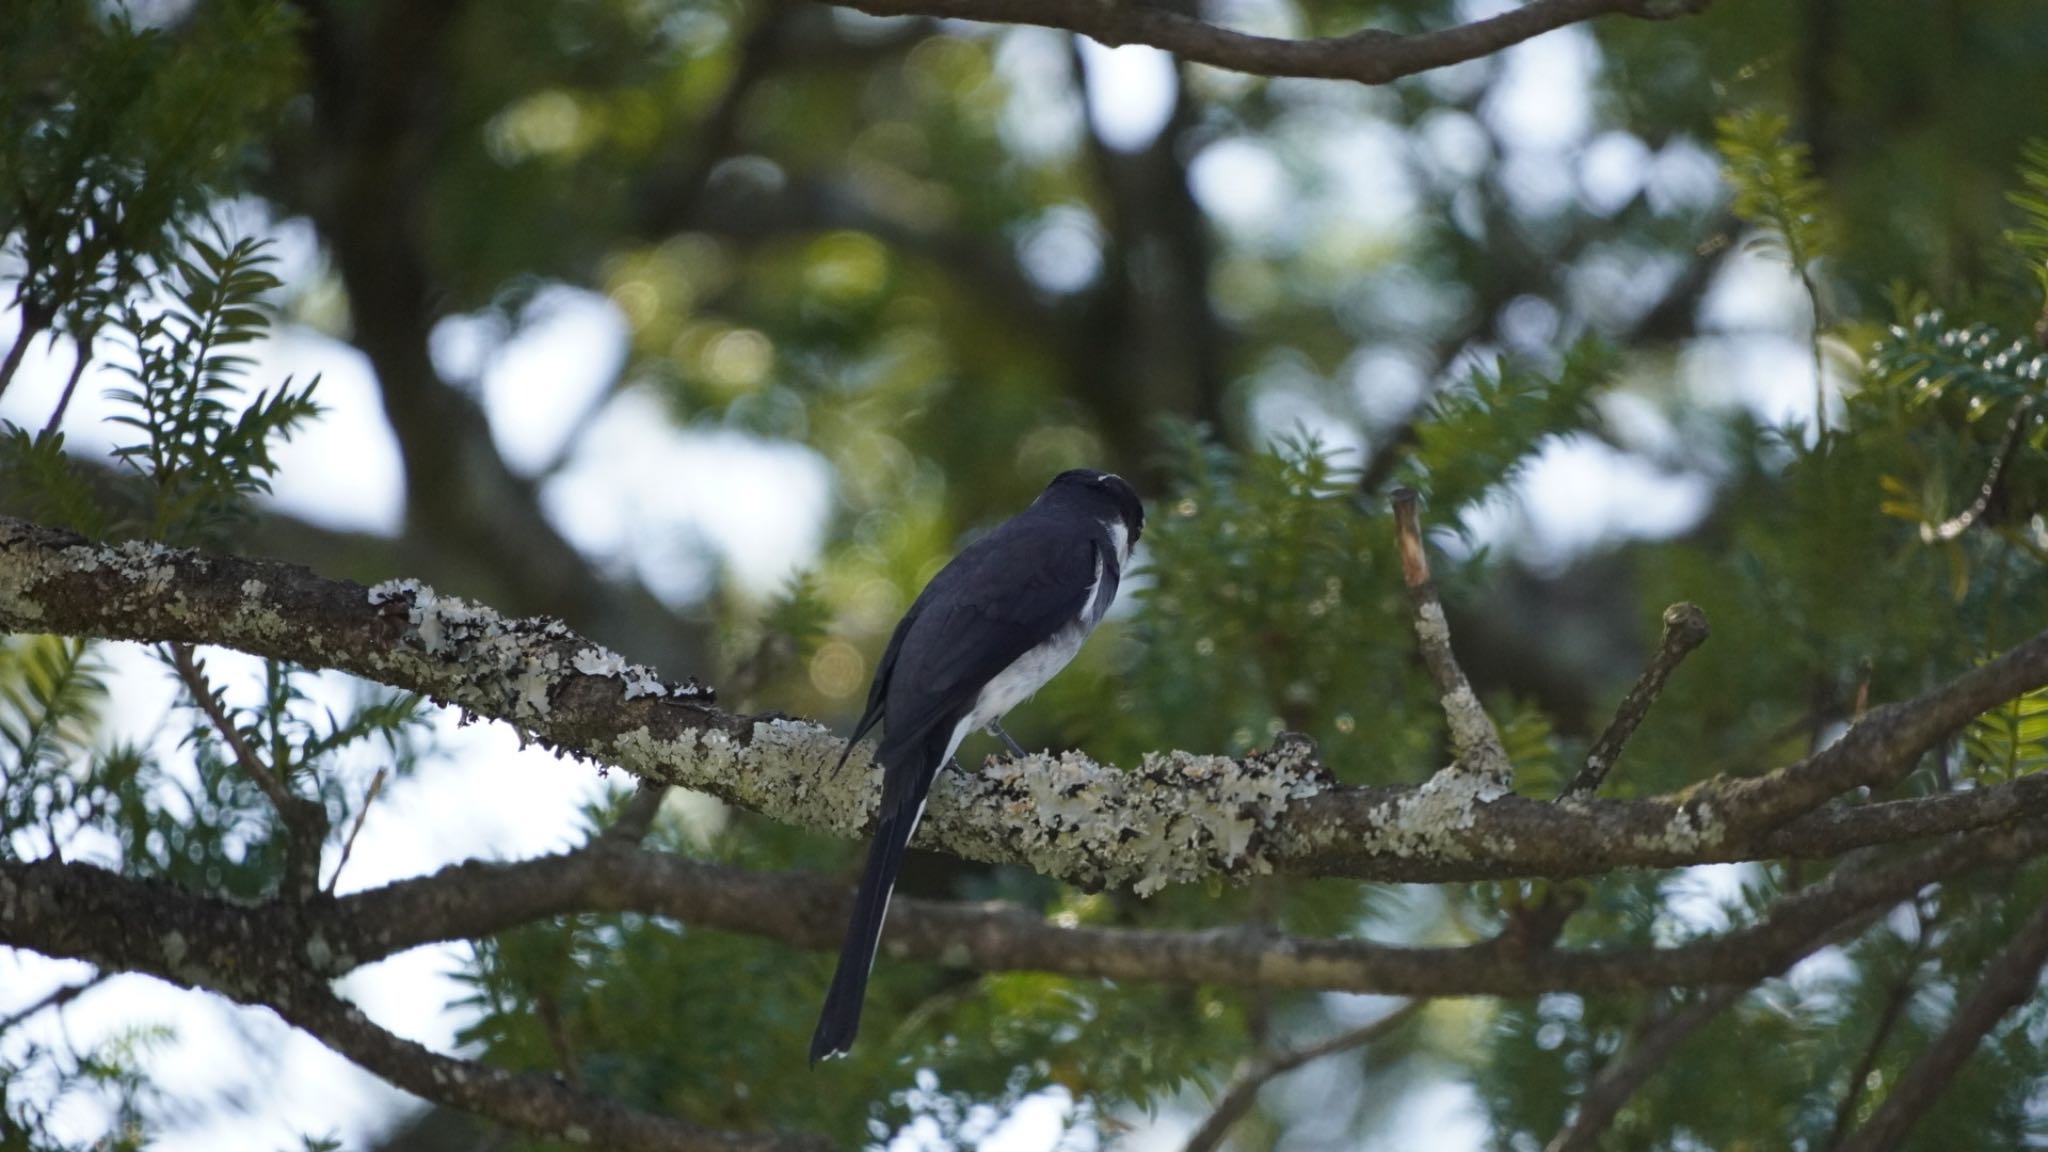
<point x="254" y="954"/>
<point x="83" y="912"/>
<point x="1176" y="817"/>
<point x="477" y="899"/>
<point x="1369" y="57"/>
<point x="2008" y="982"/>
<point x="251" y="953"/>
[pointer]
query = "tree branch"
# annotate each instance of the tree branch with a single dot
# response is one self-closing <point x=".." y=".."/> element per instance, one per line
<point x="2008" y="982"/>
<point x="1244" y="1091"/>
<point x="58" y="997"/>
<point x="305" y="821"/>
<point x="1176" y="817"/>
<point x="1626" y="1074"/>
<point x="1474" y="739"/>
<point x="1894" y="1007"/>
<point x="282" y="957"/>
<point x="1369" y="57"/>
<point x="807" y="911"/>
<point x="1685" y="628"/>
<point x="83" y="912"/>
<point x="525" y="1100"/>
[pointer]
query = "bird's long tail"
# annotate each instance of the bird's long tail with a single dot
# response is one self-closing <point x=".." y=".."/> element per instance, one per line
<point x="840" y="1020"/>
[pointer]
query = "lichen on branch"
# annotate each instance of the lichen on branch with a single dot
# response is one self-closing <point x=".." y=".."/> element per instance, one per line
<point x="1174" y="818"/>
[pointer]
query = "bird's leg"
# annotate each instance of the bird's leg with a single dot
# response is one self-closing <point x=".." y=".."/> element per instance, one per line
<point x="995" y="729"/>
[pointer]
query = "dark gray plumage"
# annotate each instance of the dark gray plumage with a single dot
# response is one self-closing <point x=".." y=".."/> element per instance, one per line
<point x="990" y="629"/>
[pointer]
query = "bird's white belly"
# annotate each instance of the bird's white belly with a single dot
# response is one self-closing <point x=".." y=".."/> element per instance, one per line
<point x="1029" y="672"/>
<point x="1015" y="684"/>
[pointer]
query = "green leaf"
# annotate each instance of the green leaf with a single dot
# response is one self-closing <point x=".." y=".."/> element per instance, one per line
<point x="1774" y="185"/>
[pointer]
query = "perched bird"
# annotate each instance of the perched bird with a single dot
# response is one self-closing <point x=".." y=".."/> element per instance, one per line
<point x="990" y="629"/>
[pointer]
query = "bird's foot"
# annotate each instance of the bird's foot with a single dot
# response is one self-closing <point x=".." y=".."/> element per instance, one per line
<point x="995" y="729"/>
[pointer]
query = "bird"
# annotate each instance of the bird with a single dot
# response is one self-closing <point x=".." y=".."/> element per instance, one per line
<point x="997" y="622"/>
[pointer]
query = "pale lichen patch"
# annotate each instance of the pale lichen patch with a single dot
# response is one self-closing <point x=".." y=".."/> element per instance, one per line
<point x="16" y="602"/>
<point x="639" y="679"/>
<point x="642" y="681"/>
<point x="595" y="661"/>
<point x="1430" y="625"/>
<point x="1177" y="817"/>
<point x="1431" y="820"/>
<point x="1694" y="825"/>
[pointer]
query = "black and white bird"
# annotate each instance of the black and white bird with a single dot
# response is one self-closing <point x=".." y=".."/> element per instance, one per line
<point x="990" y="629"/>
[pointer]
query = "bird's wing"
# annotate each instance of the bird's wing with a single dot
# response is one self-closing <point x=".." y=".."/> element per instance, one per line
<point x="998" y="599"/>
<point x="878" y="690"/>
<point x="1112" y="576"/>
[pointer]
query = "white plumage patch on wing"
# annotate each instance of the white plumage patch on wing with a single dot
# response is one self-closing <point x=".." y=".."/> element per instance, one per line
<point x="1015" y="684"/>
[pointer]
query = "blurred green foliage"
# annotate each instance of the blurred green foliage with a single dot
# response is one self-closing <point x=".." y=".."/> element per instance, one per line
<point x="912" y="251"/>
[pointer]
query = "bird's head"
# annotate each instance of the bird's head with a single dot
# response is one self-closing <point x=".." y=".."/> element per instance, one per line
<point x="1105" y="494"/>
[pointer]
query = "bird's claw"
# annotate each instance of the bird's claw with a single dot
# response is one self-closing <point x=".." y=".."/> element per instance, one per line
<point x="995" y="729"/>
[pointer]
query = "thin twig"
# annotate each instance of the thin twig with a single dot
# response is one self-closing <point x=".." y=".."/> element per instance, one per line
<point x="636" y="820"/>
<point x="348" y="846"/>
<point x="192" y="671"/>
<point x="1626" y="1074"/>
<point x="78" y="366"/>
<point x="1237" y="1100"/>
<point x="1685" y="628"/>
<point x="34" y="322"/>
<point x="1960" y="523"/>
<point x="1820" y="372"/>
<point x="1474" y="739"/>
<point x="550" y="1009"/>
<point x="2009" y="981"/>
<point x="1887" y="1019"/>
<point x="57" y="998"/>
<point x="305" y="820"/>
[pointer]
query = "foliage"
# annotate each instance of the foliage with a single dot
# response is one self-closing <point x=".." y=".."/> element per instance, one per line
<point x="1774" y="185"/>
<point x="203" y="459"/>
<point x="51" y="694"/>
<point x="2030" y="239"/>
<point x="1967" y="401"/>
<point x="918" y="256"/>
<point x="114" y="138"/>
<point x="111" y="133"/>
<point x="37" y="1084"/>
<point x="1480" y="432"/>
<point x="1266" y="571"/>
